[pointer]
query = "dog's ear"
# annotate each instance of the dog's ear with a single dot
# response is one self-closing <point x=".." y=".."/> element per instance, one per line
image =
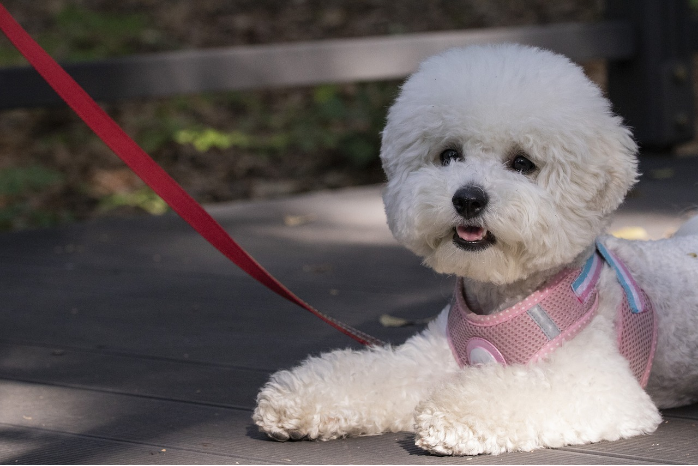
<point x="619" y="152"/>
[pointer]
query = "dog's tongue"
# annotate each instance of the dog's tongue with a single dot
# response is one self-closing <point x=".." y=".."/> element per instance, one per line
<point x="470" y="233"/>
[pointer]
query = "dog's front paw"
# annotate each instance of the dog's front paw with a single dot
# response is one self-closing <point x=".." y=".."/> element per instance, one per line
<point x="289" y="408"/>
<point x="439" y="433"/>
<point x="281" y="414"/>
<point x="274" y="419"/>
<point x="457" y="432"/>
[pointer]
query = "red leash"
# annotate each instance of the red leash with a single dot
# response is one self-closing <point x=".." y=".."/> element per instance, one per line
<point x="150" y="172"/>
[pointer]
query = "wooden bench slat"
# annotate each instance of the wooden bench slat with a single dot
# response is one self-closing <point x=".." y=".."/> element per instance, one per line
<point x="301" y="63"/>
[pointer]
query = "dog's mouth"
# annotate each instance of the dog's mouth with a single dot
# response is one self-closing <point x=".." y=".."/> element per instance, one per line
<point x="472" y="238"/>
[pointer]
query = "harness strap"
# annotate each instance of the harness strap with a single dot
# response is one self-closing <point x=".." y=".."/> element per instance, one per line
<point x="536" y="326"/>
<point x="151" y="173"/>
<point x="626" y="280"/>
<point x="531" y="329"/>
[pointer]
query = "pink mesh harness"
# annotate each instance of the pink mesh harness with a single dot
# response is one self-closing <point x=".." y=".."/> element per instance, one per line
<point x="536" y="326"/>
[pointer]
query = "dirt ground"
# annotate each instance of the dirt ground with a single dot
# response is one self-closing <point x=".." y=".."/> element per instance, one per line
<point x="221" y="146"/>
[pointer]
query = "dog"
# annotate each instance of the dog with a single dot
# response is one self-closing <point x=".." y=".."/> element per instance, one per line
<point x="504" y="164"/>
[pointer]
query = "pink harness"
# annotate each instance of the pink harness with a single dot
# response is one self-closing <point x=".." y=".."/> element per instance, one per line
<point x="536" y="326"/>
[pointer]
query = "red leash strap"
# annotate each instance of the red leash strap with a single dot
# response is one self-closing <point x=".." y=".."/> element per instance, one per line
<point x="150" y="172"/>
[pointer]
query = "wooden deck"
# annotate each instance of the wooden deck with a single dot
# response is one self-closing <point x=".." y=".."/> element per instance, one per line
<point x="134" y="341"/>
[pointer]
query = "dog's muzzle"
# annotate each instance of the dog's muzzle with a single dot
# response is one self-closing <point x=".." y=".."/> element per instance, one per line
<point x="470" y="202"/>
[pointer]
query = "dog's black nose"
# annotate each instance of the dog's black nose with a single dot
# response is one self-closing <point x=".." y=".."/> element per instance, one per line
<point x="470" y="201"/>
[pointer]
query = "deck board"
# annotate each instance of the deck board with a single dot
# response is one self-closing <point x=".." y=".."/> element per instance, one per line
<point x="134" y="341"/>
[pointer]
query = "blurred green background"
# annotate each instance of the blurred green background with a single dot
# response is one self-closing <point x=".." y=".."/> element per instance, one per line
<point x="222" y="146"/>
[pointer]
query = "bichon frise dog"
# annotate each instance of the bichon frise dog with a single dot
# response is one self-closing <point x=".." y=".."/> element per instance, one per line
<point x="504" y="164"/>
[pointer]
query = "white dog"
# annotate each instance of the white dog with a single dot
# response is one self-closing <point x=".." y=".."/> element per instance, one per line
<point x="504" y="164"/>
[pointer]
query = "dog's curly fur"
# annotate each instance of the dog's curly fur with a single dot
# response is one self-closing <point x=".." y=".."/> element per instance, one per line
<point x="485" y="107"/>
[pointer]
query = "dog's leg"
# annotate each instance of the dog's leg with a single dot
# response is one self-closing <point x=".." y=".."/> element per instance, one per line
<point x="348" y="393"/>
<point x="583" y="393"/>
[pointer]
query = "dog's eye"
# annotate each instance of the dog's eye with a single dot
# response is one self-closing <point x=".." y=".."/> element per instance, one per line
<point x="522" y="165"/>
<point x="449" y="155"/>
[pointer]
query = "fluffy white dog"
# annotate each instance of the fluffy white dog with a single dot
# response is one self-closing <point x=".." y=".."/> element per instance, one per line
<point x="504" y="164"/>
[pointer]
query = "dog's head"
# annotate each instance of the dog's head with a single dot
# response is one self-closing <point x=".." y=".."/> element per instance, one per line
<point x="502" y="161"/>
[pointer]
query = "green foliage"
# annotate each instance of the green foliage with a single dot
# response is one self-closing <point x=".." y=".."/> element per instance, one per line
<point x="82" y="34"/>
<point x="236" y="134"/>
<point x="345" y="120"/>
<point x="17" y="181"/>
<point x="205" y="139"/>
<point x="329" y="103"/>
<point x="79" y="33"/>
<point x="18" y="187"/>
<point x="21" y="216"/>
<point x="360" y="149"/>
<point x="143" y="198"/>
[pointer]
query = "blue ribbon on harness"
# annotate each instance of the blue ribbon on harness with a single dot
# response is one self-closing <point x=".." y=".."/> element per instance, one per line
<point x="632" y="290"/>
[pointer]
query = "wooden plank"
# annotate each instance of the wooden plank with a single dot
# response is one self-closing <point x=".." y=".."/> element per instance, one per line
<point x="668" y="445"/>
<point x="86" y="286"/>
<point x="673" y="442"/>
<point x="117" y="372"/>
<point x="132" y="426"/>
<point x="301" y="63"/>
<point x="653" y="91"/>
<point x="684" y="412"/>
<point x="121" y="373"/>
<point x="205" y="318"/>
<point x="24" y="445"/>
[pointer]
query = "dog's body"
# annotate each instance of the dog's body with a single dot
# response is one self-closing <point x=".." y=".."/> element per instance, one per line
<point x="504" y="164"/>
